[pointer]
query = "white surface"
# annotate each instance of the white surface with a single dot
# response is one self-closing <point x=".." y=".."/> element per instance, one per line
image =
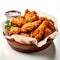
<point x="48" y="6"/>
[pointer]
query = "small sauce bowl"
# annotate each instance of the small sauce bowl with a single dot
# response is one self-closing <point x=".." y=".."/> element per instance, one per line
<point x="12" y="13"/>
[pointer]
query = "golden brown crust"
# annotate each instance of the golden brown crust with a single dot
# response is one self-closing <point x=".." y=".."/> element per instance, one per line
<point x="30" y="15"/>
<point x="26" y="11"/>
<point x="47" y="32"/>
<point x="19" y="21"/>
<point x="39" y="31"/>
<point x="25" y="34"/>
<point x="51" y="25"/>
<point x="14" y="30"/>
<point x="30" y="26"/>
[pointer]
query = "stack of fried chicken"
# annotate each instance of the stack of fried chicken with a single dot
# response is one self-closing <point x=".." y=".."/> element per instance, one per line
<point x="31" y="25"/>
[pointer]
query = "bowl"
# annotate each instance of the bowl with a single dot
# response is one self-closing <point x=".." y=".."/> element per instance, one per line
<point x="12" y="13"/>
<point x="28" y="48"/>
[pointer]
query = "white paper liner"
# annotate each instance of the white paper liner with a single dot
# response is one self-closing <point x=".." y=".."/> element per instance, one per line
<point x="29" y="40"/>
<point x="23" y="39"/>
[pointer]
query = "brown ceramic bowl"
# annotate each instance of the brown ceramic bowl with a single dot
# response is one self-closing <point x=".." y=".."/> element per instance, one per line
<point x="27" y="47"/>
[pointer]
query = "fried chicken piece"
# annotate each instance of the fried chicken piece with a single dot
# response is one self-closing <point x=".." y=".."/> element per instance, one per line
<point x="43" y="18"/>
<point x="25" y="34"/>
<point x="13" y="30"/>
<point x="19" y="21"/>
<point x="51" y="21"/>
<point x="30" y="16"/>
<point x="51" y="25"/>
<point x="38" y="33"/>
<point x="28" y="27"/>
<point x="26" y="11"/>
<point x="47" y="32"/>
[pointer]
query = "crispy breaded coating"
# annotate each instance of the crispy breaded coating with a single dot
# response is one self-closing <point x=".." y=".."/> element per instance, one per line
<point x="43" y="18"/>
<point x="19" y="21"/>
<point x="13" y="30"/>
<point x="51" y="21"/>
<point x="39" y="31"/>
<point x="30" y="15"/>
<point x="25" y="34"/>
<point x="30" y="26"/>
<point x="26" y="11"/>
<point x="51" y="25"/>
<point x="47" y="32"/>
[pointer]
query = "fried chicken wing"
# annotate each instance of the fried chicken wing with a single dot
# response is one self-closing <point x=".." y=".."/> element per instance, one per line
<point x="30" y="15"/>
<point x="28" y="27"/>
<point x="26" y="11"/>
<point x="31" y="25"/>
<point x="51" y="25"/>
<point x="47" y="32"/>
<point x="43" y="18"/>
<point x="25" y="34"/>
<point x="13" y="30"/>
<point x="19" y="21"/>
<point x="39" y="31"/>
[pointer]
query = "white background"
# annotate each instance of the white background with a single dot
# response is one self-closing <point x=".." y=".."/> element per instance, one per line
<point x="51" y="7"/>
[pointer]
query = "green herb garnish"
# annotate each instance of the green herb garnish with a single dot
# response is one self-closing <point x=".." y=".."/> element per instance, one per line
<point x="8" y="24"/>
